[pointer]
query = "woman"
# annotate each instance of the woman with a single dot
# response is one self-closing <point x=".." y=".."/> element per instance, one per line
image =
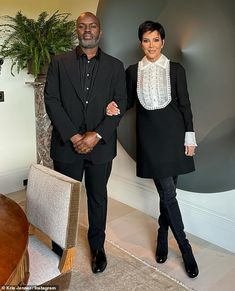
<point x="165" y="137"/>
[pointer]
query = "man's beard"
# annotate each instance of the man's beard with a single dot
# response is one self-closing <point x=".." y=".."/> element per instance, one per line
<point x="89" y="43"/>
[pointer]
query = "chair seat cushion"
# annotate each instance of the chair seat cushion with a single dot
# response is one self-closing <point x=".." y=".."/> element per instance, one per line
<point x="43" y="264"/>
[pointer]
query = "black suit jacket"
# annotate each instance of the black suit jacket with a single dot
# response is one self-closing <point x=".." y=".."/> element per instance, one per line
<point x="69" y="112"/>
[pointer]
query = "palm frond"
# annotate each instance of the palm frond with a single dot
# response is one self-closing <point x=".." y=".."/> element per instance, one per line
<point x="27" y="40"/>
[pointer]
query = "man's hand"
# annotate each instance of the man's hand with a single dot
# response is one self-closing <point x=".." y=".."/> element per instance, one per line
<point x="87" y="142"/>
<point x="75" y="138"/>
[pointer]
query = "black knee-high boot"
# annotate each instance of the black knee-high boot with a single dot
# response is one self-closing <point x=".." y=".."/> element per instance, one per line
<point x="162" y="237"/>
<point x="170" y="208"/>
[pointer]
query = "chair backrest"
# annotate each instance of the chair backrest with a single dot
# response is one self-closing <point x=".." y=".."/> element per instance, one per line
<point x="52" y="204"/>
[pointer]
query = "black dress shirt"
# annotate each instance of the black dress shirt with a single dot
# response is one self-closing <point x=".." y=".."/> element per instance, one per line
<point x="87" y="71"/>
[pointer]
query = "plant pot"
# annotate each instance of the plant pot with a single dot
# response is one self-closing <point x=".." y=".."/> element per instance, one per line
<point x="41" y="77"/>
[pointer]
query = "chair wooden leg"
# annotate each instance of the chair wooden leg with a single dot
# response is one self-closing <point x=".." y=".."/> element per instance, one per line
<point x="66" y="262"/>
<point x="32" y="229"/>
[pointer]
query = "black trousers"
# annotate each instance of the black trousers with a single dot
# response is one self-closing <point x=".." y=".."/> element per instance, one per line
<point x="170" y="214"/>
<point x="96" y="178"/>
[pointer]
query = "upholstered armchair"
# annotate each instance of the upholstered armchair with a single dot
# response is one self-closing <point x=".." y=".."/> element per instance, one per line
<point x="52" y="206"/>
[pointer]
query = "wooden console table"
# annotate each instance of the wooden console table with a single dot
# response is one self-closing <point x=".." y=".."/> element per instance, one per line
<point x="14" y="262"/>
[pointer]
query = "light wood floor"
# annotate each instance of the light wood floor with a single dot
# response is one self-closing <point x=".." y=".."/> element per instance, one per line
<point x="135" y="232"/>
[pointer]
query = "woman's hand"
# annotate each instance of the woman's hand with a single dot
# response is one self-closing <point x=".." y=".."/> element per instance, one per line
<point x="112" y="109"/>
<point x="190" y="150"/>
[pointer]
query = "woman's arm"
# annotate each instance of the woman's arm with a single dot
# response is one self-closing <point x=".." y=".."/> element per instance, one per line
<point x="185" y="108"/>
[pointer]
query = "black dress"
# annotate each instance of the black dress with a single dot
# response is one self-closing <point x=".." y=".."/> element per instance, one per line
<point x="161" y="132"/>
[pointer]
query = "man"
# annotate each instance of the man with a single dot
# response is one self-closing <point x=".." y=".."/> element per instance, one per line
<point x="80" y="84"/>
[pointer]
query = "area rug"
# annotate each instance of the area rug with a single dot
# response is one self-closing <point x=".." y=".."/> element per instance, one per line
<point x="123" y="272"/>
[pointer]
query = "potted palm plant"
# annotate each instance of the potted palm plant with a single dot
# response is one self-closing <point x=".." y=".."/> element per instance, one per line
<point x="31" y="43"/>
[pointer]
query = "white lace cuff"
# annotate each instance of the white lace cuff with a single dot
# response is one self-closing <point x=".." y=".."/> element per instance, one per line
<point x="190" y="139"/>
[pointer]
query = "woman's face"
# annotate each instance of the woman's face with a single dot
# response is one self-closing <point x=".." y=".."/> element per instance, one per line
<point x="152" y="45"/>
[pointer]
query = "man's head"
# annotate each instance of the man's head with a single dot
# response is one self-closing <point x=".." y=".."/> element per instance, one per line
<point x="88" y="30"/>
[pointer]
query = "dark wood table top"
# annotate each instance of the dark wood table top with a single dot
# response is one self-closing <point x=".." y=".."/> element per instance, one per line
<point x="13" y="237"/>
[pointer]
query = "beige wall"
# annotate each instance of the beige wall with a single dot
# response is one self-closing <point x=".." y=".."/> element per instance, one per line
<point x="17" y="122"/>
<point x="33" y="8"/>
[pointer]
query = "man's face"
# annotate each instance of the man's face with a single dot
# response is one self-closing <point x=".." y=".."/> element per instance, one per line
<point x="88" y="31"/>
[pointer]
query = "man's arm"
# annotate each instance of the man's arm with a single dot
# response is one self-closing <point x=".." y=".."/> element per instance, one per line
<point x="112" y="108"/>
<point x="54" y="108"/>
<point x="107" y="127"/>
<point x="109" y="124"/>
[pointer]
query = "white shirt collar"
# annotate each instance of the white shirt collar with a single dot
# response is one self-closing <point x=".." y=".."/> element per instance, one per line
<point x="162" y="62"/>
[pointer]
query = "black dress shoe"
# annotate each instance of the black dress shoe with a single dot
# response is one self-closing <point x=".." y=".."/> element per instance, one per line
<point x="190" y="264"/>
<point x="99" y="261"/>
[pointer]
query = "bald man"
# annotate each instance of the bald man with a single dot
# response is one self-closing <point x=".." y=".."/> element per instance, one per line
<point x="80" y="84"/>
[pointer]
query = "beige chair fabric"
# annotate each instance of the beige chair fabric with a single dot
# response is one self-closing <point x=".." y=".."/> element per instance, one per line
<point x="43" y="263"/>
<point x="52" y="206"/>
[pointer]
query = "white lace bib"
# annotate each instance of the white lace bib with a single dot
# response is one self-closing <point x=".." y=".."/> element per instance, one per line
<point x="153" y="83"/>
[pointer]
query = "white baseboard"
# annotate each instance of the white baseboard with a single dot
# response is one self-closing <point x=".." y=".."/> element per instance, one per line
<point x="204" y="215"/>
<point x="209" y="217"/>
<point x="13" y="181"/>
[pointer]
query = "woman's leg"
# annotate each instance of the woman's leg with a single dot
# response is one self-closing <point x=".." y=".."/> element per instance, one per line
<point x="163" y="219"/>
<point x="170" y="208"/>
<point x="170" y="212"/>
<point x="162" y="236"/>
